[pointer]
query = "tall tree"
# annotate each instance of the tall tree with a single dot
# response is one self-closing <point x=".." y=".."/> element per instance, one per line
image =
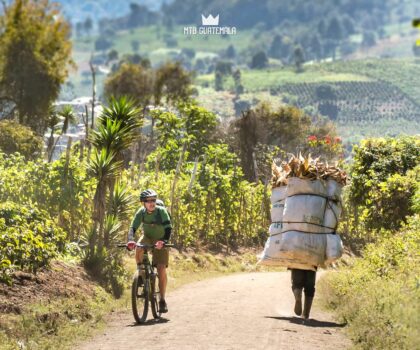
<point x="259" y="60"/>
<point x="316" y="47"/>
<point x="172" y="82"/>
<point x="298" y="58"/>
<point x="335" y="34"/>
<point x="131" y="80"/>
<point x="88" y="25"/>
<point x="34" y="58"/>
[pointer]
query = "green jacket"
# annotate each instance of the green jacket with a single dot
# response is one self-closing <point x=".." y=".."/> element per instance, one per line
<point x="154" y="224"/>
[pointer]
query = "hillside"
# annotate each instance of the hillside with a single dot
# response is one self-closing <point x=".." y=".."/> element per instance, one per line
<point x="365" y="97"/>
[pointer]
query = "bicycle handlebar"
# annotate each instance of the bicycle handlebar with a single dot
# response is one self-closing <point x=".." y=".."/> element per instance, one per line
<point x="145" y="246"/>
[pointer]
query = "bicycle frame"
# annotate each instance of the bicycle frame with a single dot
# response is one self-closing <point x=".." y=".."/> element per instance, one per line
<point x="145" y="281"/>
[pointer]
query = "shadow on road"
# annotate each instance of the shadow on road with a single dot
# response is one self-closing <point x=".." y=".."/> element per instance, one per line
<point x="309" y="323"/>
<point x="149" y="322"/>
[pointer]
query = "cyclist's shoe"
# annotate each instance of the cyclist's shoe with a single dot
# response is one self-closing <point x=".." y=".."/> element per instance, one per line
<point x="163" y="308"/>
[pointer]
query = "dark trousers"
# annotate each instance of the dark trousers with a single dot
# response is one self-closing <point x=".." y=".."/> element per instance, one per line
<point x="304" y="279"/>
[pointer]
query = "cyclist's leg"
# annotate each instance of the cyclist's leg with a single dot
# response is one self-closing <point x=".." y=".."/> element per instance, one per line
<point x="163" y="280"/>
<point x="139" y="255"/>
<point x="161" y="261"/>
<point x="140" y="251"/>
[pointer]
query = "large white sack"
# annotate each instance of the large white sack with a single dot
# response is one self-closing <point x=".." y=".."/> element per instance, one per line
<point x="334" y="249"/>
<point x="278" y="194"/>
<point x="272" y="256"/>
<point x="301" y="186"/>
<point x="334" y="189"/>
<point x="303" y="248"/>
<point x="332" y="216"/>
<point x="277" y="211"/>
<point x="304" y="213"/>
<point x="275" y="228"/>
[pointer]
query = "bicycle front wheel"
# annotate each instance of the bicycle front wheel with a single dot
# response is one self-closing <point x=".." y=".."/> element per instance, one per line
<point x="140" y="297"/>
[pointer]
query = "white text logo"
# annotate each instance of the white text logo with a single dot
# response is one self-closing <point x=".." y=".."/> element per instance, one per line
<point x="210" y="26"/>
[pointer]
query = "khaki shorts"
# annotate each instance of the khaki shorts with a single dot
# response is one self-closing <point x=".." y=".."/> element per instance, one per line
<point x="160" y="256"/>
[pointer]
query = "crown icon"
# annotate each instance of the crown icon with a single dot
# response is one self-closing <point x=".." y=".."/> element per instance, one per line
<point x="210" y="20"/>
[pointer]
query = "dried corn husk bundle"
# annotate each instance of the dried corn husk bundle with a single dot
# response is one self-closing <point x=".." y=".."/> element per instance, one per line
<point x="306" y="168"/>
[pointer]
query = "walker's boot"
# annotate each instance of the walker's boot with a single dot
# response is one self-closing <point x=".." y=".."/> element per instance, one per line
<point x="307" y="306"/>
<point x="298" y="301"/>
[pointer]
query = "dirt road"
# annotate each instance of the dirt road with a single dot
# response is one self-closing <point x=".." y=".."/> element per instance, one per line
<point x="243" y="311"/>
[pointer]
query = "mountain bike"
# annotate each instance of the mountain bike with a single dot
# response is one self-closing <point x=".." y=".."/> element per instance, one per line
<point x="144" y="288"/>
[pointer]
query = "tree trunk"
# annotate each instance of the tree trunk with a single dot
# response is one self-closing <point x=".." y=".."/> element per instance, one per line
<point x="65" y="183"/>
<point x="254" y="162"/>
<point x="194" y="173"/>
<point x="177" y="171"/>
<point x="86" y="122"/>
<point x="92" y="69"/>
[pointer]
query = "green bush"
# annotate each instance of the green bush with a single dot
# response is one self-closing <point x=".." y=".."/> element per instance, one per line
<point x="21" y="139"/>
<point x="107" y="267"/>
<point x="379" y="295"/>
<point x="218" y="207"/>
<point x="384" y="180"/>
<point x="63" y="190"/>
<point x="28" y="239"/>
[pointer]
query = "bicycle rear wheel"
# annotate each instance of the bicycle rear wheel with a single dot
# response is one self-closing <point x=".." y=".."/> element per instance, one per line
<point x="140" y="297"/>
<point x="154" y="297"/>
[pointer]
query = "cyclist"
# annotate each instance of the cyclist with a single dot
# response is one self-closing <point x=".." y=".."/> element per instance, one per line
<point x="157" y="228"/>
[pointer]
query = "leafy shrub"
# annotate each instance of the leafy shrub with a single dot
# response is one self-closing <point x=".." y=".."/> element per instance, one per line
<point x="61" y="189"/>
<point x="217" y="206"/>
<point x="28" y="239"/>
<point x="107" y="266"/>
<point x="384" y="179"/>
<point x="378" y="295"/>
<point x="19" y="138"/>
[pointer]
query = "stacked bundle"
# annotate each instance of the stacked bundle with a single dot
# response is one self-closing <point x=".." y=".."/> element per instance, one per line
<point x="305" y="211"/>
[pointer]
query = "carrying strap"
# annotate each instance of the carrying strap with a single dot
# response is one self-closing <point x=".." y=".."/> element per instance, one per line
<point x="159" y="218"/>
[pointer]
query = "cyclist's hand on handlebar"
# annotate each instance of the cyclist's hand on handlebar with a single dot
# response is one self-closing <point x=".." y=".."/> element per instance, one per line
<point x="159" y="244"/>
<point x="131" y="245"/>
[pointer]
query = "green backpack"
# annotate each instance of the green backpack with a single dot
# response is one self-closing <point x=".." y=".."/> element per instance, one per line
<point x="159" y="205"/>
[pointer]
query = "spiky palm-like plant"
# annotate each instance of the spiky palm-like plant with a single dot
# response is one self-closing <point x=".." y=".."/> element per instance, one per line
<point x="120" y="202"/>
<point x="123" y="110"/>
<point x="103" y="167"/>
<point x="112" y="228"/>
<point x="67" y="116"/>
<point x="117" y="127"/>
<point x="52" y="123"/>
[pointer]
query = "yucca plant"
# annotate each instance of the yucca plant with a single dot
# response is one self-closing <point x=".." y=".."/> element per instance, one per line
<point x="67" y="116"/>
<point x="104" y="168"/>
<point x="52" y="123"/>
<point x="121" y="201"/>
<point x="112" y="228"/>
<point x="117" y="128"/>
<point x="112" y="135"/>
<point x="122" y="110"/>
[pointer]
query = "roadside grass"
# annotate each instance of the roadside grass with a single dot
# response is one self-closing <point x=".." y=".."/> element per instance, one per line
<point x="378" y="295"/>
<point x="62" y="323"/>
<point x="54" y="324"/>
